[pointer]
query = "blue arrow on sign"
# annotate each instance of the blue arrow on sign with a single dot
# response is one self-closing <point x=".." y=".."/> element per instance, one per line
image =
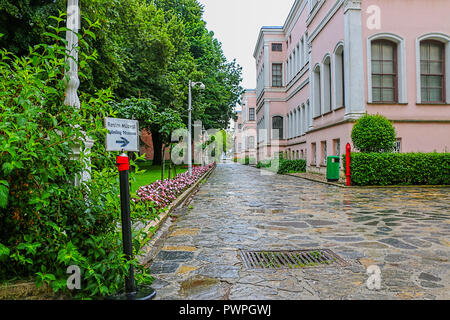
<point x="124" y="142"/>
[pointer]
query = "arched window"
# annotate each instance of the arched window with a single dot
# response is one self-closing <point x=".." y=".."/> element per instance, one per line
<point x="277" y="127"/>
<point x="432" y="71"/>
<point x="295" y="126"/>
<point x="339" y="77"/>
<point x="327" y="85"/>
<point x="317" y="92"/>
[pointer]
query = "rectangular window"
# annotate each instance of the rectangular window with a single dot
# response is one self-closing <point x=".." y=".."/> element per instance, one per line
<point x="384" y="71"/>
<point x="251" y="142"/>
<point x="277" y="75"/>
<point x="398" y="146"/>
<point x="277" y="47"/>
<point x="314" y="154"/>
<point x="337" y="147"/>
<point x="251" y="114"/>
<point x="324" y="153"/>
<point x="432" y="71"/>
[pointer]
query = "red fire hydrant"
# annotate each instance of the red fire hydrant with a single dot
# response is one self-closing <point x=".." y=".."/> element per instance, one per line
<point x="348" y="149"/>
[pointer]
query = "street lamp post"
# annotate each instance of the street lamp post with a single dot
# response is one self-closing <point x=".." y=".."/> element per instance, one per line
<point x="189" y="151"/>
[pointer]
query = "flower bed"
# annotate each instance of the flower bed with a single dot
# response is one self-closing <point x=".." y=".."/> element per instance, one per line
<point x="162" y="193"/>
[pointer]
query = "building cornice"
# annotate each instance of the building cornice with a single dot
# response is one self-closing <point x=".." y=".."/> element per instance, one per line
<point x="352" y="5"/>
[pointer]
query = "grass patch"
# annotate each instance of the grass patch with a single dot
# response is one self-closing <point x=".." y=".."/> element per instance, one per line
<point x="151" y="174"/>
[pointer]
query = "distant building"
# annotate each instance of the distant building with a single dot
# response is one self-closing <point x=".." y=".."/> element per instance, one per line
<point x="245" y="127"/>
<point x="335" y="60"/>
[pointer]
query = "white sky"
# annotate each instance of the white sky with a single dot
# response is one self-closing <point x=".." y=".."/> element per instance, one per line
<point x="236" y="24"/>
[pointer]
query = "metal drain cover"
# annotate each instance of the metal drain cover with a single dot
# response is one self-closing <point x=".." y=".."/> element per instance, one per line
<point x="290" y="259"/>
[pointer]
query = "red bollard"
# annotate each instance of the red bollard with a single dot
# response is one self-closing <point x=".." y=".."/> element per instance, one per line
<point x="348" y="149"/>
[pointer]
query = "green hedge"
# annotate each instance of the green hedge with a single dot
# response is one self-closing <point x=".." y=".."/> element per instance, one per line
<point x="285" y="166"/>
<point x="264" y="164"/>
<point x="400" y="169"/>
<point x="248" y="160"/>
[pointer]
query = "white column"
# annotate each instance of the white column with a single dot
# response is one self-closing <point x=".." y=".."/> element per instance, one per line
<point x="268" y="121"/>
<point x="71" y="94"/>
<point x="354" y="64"/>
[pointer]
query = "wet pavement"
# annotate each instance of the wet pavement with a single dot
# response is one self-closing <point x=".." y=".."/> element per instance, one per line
<point x="403" y="231"/>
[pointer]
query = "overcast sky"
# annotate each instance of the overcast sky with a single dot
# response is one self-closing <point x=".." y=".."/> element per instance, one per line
<point x="236" y="24"/>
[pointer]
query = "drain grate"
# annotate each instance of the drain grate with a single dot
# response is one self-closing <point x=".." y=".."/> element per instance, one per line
<point x="290" y="259"/>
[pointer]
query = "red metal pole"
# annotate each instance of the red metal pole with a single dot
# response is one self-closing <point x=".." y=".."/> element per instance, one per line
<point x="348" y="149"/>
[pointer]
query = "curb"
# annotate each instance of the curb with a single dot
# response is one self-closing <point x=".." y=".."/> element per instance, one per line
<point x="370" y="187"/>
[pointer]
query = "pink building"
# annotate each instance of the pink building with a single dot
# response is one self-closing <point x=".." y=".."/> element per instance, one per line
<point x="245" y="127"/>
<point x="237" y="136"/>
<point x="335" y="60"/>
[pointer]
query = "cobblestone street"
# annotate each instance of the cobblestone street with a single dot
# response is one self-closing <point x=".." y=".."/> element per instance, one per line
<point x="404" y="231"/>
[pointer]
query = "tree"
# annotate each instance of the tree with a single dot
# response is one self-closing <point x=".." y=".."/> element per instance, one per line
<point x="145" y="50"/>
<point x="23" y="22"/>
<point x="373" y="133"/>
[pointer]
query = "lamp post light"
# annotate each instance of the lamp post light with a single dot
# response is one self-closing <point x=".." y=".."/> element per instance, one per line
<point x="189" y="151"/>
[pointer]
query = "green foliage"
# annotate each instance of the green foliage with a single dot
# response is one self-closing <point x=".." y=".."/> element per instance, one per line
<point x="249" y="160"/>
<point x="373" y="133"/>
<point x="400" y="169"/>
<point x="264" y="164"/>
<point x="47" y="222"/>
<point x="290" y="166"/>
<point x="145" y="49"/>
<point x="283" y="166"/>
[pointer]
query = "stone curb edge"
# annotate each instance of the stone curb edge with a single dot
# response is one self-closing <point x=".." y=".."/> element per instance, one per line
<point x="369" y="187"/>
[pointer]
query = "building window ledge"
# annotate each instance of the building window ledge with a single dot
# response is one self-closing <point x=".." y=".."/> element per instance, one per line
<point x="339" y="108"/>
<point x="388" y="103"/>
<point x="433" y="104"/>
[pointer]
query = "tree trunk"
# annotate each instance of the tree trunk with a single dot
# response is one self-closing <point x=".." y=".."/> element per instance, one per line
<point x="163" y="149"/>
<point x="170" y="159"/>
<point x="157" y="146"/>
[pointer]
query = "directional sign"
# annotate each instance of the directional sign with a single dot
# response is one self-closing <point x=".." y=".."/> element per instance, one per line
<point x="123" y="134"/>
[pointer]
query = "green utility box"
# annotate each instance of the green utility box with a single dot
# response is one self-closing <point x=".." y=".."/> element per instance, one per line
<point x="333" y="168"/>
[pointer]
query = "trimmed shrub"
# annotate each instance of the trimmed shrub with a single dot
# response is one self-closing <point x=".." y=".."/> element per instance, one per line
<point x="373" y="133"/>
<point x="400" y="169"/>
<point x="264" y="164"/>
<point x="290" y="166"/>
<point x="248" y="160"/>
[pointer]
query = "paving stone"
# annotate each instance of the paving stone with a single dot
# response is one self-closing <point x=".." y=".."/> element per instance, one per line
<point x="428" y="277"/>
<point x="319" y="223"/>
<point x="397" y="243"/>
<point x="429" y="284"/>
<point x="163" y="267"/>
<point x="179" y="256"/>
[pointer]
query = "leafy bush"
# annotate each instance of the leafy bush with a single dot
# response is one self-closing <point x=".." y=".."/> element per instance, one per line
<point x="47" y="222"/>
<point x="248" y="160"/>
<point x="290" y="166"/>
<point x="373" y="133"/>
<point x="400" y="168"/>
<point x="264" y="164"/>
<point x="282" y="166"/>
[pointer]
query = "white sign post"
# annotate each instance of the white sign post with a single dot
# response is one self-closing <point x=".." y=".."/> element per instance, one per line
<point x="123" y="134"/>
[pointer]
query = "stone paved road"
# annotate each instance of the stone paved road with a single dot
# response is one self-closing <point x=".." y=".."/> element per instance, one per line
<point x="406" y="232"/>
